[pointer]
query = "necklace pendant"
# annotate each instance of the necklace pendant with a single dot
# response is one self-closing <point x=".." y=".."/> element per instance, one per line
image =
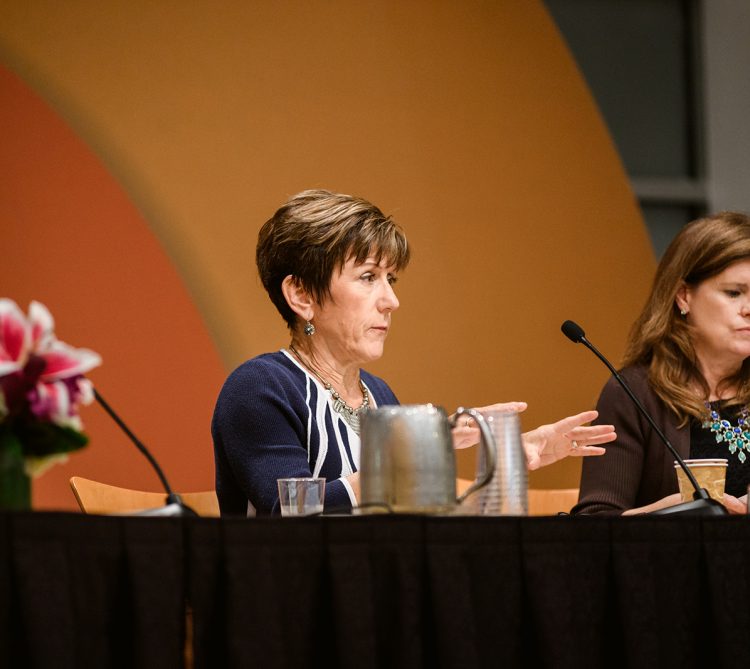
<point x="736" y="438"/>
<point x="339" y="406"/>
<point x="349" y="414"/>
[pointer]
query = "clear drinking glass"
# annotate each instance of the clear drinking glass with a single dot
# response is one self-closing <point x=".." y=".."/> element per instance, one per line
<point x="301" y="496"/>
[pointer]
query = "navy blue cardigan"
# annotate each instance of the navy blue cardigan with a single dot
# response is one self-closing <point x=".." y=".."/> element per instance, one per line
<point x="274" y="420"/>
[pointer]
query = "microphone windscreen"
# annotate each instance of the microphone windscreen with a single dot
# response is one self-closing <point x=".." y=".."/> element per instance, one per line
<point x="573" y="331"/>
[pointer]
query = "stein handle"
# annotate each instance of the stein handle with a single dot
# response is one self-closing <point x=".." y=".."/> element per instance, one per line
<point x="487" y="444"/>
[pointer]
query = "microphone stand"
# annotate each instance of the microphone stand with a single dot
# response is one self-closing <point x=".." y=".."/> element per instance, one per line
<point x="703" y="504"/>
<point x="174" y="505"/>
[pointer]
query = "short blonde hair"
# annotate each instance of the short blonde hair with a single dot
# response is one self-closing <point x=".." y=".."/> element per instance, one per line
<point x="314" y="234"/>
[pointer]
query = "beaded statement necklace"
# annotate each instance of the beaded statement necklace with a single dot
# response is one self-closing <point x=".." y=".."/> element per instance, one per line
<point x="736" y="437"/>
<point x="348" y="413"/>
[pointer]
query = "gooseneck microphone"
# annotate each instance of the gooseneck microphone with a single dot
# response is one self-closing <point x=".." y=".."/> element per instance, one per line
<point x="174" y="505"/>
<point x="702" y="503"/>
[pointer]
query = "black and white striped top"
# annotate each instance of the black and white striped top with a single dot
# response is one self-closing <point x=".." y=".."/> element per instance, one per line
<point x="273" y="420"/>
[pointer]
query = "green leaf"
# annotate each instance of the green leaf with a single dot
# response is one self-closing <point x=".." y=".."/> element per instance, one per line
<point x="10" y="445"/>
<point x="41" y="438"/>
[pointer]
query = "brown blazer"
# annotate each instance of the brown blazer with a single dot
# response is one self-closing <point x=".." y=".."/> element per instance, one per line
<point x="638" y="468"/>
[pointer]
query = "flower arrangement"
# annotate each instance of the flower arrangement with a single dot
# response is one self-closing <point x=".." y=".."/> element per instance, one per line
<point x="41" y="389"/>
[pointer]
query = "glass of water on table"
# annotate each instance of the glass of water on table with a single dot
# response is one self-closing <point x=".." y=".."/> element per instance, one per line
<point x="301" y="496"/>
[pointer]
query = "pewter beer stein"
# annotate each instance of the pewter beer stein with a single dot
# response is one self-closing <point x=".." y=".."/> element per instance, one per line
<point x="507" y="492"/>
<point x="407" y="462"/>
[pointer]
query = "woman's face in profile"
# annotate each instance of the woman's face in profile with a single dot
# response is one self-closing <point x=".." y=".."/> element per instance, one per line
<point x="719" y="315"/>
<point x="354" y="321"/>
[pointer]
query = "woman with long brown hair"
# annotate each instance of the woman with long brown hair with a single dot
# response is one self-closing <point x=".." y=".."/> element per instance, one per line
<point x="687" y="360"/>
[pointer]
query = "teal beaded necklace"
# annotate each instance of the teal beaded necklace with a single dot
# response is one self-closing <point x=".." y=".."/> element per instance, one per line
<point x="736" y="437"/>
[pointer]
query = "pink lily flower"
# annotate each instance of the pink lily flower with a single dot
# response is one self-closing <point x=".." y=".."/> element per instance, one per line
<point x="39" y="373"/>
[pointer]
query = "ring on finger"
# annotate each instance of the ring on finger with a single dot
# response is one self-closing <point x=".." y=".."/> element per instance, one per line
<point x="574" y="445"/>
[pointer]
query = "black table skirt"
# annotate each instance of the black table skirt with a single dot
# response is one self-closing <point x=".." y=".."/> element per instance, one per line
<point x="378" y="591"/>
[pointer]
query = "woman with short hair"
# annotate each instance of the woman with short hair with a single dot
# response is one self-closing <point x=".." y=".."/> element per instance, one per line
<point x="329" y="263"/>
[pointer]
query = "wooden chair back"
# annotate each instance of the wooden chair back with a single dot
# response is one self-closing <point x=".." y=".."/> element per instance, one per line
<point x="551" y="502"/>
<point x="102" y="498"/>
<point x="542" y="502"/>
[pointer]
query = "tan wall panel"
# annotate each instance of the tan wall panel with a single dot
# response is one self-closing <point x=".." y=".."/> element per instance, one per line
<point x="467" y="120"/>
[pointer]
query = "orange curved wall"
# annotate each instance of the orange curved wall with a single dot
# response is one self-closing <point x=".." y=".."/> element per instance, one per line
<point x="468" y="121"/>
<point x="74" y="241"/>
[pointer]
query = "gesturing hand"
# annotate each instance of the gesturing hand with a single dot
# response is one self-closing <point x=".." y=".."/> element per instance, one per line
<point x="569" y="436"/>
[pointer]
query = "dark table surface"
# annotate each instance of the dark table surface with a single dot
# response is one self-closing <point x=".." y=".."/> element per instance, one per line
<point x="374" y="591"/>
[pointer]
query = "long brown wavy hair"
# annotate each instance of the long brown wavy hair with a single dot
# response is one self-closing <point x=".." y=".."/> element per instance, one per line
<point x="661" y="338"/>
